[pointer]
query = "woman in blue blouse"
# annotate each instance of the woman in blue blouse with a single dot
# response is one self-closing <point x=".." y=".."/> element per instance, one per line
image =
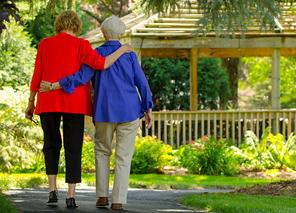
<point x="117" y="107"/>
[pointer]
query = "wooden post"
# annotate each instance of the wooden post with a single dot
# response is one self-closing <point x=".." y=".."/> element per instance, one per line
<point x="138" y="53"/>
<point x="275" y="93"/>
<point x="276" y="66"/>
<point x="193" y="79"/>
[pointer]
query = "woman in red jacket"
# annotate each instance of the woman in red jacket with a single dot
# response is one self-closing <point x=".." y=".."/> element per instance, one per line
<point x="58" y="57"/>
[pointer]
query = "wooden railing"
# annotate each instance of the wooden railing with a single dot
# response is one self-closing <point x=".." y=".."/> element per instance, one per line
<point x="180" y="127"/>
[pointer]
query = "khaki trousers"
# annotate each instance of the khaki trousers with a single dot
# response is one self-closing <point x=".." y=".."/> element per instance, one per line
<point x="124" y="148"/>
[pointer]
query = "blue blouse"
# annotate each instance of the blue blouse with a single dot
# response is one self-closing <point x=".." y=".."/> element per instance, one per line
<point x="116" y="98"/>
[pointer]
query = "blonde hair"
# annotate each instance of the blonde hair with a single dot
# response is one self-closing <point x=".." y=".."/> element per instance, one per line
<point x="68" y="20"/>
<point x="113" y="27"/>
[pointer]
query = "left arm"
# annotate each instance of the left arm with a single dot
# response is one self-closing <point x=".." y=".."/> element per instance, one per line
<point x="144" y="91"/>
<point x="71" y="82"/>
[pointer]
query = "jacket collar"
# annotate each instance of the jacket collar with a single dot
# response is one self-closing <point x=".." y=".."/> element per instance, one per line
<point x="112" y="43"/>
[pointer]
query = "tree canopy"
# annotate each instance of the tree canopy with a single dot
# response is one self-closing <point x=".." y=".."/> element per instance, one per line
<point x="224" y="16"/>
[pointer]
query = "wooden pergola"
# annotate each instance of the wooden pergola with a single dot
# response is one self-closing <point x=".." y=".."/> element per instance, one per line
<point x="170" y="36"/>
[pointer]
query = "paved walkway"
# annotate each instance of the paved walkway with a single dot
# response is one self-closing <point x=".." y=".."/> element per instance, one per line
<point x="139" y="200"/>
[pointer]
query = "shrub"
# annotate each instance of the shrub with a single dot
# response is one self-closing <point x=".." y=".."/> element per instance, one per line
<point x="208" y="156"/>
<point x="150" y="155"/>
<point x="20" y="140"/>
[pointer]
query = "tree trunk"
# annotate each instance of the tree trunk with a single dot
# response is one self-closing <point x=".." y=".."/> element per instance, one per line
<point x="232" y="64"/>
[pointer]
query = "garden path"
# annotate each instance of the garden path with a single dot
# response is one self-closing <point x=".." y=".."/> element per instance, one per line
<point x="139" y="200"/>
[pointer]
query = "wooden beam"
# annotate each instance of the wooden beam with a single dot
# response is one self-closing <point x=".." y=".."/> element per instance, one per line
<point x="215" y="52"/>
<point x="213" y="42"/>
<point x="165" y="53"/>
<point x="276" y="65"/>
<point x="193" y="79"/>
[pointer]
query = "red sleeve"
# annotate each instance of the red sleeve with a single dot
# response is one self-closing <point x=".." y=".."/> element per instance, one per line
<point x="37" y="75"/>
<point x="91" y="57"/>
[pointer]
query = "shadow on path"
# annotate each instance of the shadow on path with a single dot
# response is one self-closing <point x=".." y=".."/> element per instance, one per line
<point x="138" y="201"/>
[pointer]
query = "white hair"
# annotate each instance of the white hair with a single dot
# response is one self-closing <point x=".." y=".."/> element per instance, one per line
<point x="113" y="27"/>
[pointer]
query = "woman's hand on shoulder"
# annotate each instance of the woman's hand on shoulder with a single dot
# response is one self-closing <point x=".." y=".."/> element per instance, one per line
<point x="128" y="48"/>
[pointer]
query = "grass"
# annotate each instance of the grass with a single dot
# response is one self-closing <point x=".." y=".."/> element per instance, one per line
<point x="157" y="181"/>
<point x="150" y="181"/>
<point x="6" y="204"/>
<point x="240" y="203"/>
<point x="215" y="202"/>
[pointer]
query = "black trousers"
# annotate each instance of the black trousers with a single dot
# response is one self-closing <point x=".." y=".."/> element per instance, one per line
<point x="73" y="130"/>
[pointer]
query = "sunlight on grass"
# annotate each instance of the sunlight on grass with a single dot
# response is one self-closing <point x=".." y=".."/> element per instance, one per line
<point x="151" y="181"/>
<point x="240" y="203"/>
<point x="194" y="181"/>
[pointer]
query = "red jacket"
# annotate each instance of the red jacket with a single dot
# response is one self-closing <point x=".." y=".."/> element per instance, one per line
<point x="58" y="57"/>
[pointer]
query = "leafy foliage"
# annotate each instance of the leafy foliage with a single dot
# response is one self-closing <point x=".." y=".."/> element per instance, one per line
<point x="17" y="57"/>
<point x="169" y="82"/>
<point x="208" y="156"/>
<point x="258" y="77"/>
<point x="20" y="140"/>
<point x="102" y="9"/>
<point x="213" y="84"/>
<point x="170" y="86"/>
<point x="150" y="155"/>
<point x="45" y="23"/>
<point x="8" y="8"/>
<point x="271" y="152"/>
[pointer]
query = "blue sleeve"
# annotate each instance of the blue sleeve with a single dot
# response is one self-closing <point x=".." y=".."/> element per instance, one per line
<point x="81" y="77"/>
<point x="142" y="84"/>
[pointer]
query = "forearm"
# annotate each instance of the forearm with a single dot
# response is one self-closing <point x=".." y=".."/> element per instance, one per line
<point x="110" y="59"/>
<point x="32" y="96"/>
<point x="56" y="85"/>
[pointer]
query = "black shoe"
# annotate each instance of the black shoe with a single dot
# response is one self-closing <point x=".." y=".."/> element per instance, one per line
<point x="71" y="203"/>
<point x="53" y="197"/>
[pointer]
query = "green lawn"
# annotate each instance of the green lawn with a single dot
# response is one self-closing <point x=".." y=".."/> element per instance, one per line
<point x="240" y="203"/>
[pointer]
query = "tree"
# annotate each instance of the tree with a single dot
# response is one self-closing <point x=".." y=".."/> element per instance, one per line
<point x="45" y="23"/>
<point x="17" y="57"/>
<point x="8" y="9"/>
<point x="258" y="77"/>
<point x="170" y="83"/>
<point x="232" y="65"/>
<point x="218" y="15"/>
<point x="102" y="9"/>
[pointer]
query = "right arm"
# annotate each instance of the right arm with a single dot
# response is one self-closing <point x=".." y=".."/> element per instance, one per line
<point x="35" y="82"/>
<point x="91" y="57"/>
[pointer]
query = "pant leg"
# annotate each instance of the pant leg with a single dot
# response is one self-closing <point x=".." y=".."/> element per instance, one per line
<point x="103" y="150"/>
<point x="73" y="128"/>
<point x="50" y="123"/>
<point x="125" y="142"/>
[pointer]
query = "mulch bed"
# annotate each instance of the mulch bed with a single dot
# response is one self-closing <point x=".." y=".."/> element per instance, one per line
<point x="274" y="189"/>
<point x="282" y="188"/>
